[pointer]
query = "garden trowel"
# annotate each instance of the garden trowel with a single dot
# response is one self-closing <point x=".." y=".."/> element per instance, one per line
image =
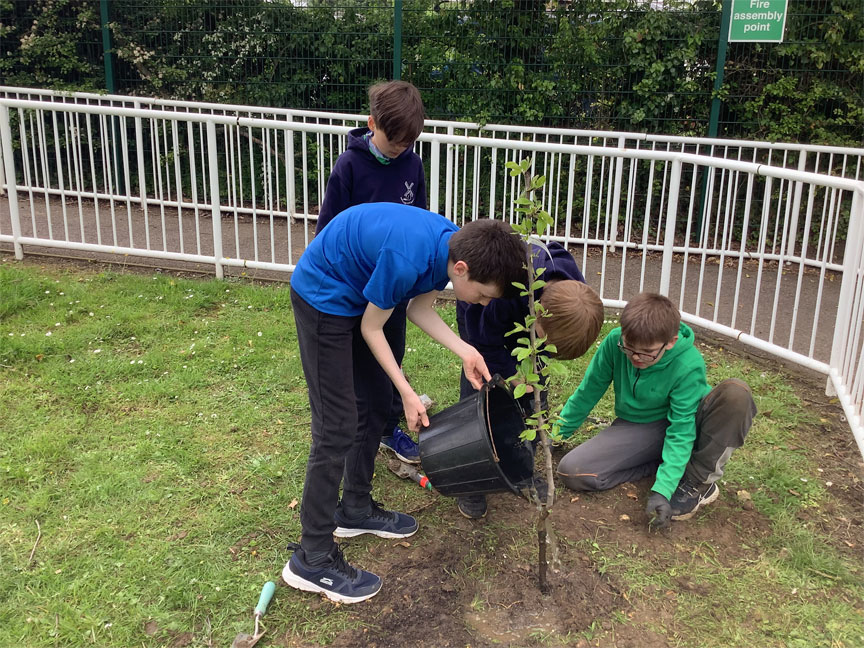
<point x="244" y="640"/>
<point x="406" y="471"/>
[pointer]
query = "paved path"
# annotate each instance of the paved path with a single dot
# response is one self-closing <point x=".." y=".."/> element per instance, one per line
<point x="241" y="233"/>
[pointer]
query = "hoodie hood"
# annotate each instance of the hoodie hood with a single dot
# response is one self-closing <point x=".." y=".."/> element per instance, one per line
<point x="357" y="143"/>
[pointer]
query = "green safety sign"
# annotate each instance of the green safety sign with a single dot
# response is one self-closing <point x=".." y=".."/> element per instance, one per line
<point x="757" y="21"/>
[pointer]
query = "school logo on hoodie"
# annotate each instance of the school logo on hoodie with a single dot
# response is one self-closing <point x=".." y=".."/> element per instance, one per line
<point x="408" y="196"/>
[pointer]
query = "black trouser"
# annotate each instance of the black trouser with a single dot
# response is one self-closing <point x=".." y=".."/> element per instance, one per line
<point x="394" y="331"/>
<point x="349" y="399"/>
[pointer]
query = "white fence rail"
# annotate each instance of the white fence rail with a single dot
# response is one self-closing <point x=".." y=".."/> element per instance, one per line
<point x="767" y="254"/>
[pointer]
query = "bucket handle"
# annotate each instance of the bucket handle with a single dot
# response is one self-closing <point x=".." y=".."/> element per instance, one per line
<point x="495" y="381"/>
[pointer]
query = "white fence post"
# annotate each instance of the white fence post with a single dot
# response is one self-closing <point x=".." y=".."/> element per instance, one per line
<point x="9" y="164"/>
<point x="671" y="217"/>
<point x="616" y="200"/>
<point x="142" y="179"/>
<point x="2" y="169"/>
<point x="843" y="368"/>
<point x="796" y="204"/>
<point x="448" y="179"/>
<point x="215" y="211"/>
<point x="435" y="172"/>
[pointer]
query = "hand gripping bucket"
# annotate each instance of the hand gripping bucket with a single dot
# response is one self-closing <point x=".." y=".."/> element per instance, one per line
<point x="474" y="447"/>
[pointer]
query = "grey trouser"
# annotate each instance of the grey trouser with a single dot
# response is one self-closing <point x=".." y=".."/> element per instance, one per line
<point x="627" y="451"/>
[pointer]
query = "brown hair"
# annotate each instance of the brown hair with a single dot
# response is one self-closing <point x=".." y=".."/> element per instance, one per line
<point x="649" y="319"/>
<point x="493" y="252"/>
<point x="397" y="109"/>
<point x="574" y="317"/>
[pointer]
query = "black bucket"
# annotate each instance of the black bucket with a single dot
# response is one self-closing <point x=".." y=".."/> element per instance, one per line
<point x="473" y="446"/>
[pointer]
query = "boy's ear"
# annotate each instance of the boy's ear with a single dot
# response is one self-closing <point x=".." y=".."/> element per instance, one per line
<point x="371" y="123"/>
<point x="460" y="269"/>
<point x="671" y="343"/>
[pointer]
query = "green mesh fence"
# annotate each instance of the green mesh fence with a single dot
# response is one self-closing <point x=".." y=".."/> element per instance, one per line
<point x="628" y="65"/>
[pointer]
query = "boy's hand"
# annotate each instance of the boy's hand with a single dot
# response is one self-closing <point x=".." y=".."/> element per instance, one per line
<point x="475" y="369"/>
<point x="659" y="511"/>
<point x="415" y="412"/>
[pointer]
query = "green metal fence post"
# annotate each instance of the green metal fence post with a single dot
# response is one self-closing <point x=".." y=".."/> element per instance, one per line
<point x="108" y="56"/>
<point x="397" y="39"/>
<point x="714" y="117"/>
<point x="722" y="40"/>
<point x="111" y="86"/>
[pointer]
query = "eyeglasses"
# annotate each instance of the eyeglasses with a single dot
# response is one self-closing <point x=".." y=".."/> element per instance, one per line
<point x="651" y="357"/>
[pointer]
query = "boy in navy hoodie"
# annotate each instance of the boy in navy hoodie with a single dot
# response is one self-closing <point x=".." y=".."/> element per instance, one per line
<point x="380" y="165"/>
<point x="369" y="259"/>
<point x="574" y="318"/>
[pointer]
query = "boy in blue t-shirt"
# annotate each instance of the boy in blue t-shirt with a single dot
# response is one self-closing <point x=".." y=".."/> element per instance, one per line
<point x="380" y="165"/>
<point x="366" y="261"/>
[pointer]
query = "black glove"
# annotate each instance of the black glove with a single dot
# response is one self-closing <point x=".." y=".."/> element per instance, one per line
<point x="659" y="511"/>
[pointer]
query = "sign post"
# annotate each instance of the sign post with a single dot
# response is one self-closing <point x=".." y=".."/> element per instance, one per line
<point x="757" y="21"/>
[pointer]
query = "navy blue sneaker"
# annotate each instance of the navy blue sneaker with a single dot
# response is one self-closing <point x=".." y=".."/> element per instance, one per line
<point x="379" y="522"/>
<point x="472" y="507"/>
<point x="689" y="498"/>
<point x="402" y="446"/>
<point x="336" y="579"/>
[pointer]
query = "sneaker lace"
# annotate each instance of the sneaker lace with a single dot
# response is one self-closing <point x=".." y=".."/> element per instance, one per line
<point x="689" y="489"/>
<point x="381" y="513"/>
<point x="338" y="560"/>
<point x="341" y="565"/>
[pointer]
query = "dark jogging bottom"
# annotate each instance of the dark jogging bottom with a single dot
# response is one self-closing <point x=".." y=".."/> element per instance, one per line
<point x="349" y="399"/>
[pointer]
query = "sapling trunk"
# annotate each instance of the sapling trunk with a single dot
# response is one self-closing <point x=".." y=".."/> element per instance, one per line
<point x="533" y="214"/>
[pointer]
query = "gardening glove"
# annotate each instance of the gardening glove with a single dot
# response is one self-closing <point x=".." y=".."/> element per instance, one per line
<point x="659" y="511"/>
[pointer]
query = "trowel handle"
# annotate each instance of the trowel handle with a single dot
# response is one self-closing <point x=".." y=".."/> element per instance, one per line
<point x="264" y="600"/>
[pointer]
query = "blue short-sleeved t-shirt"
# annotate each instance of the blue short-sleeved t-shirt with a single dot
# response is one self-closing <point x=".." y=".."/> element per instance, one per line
<point x="381" y="253"/>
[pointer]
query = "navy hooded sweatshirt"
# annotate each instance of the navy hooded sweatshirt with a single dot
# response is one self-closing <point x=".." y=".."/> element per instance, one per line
<point x="358" y="177"/>
<point x="486" y="327"/>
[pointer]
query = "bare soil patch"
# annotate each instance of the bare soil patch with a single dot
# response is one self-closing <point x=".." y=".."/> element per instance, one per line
<point x="447" y="588"/>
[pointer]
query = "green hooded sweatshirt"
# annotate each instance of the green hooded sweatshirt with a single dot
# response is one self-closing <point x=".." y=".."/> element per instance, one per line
<point x="670" y="389"/>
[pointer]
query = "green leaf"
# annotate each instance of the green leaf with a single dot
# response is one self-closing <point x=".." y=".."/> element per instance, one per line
<point x="517" y="328"/>
<point x="520" y="391"/>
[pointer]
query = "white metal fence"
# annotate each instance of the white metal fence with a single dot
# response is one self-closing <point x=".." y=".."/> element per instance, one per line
<point x="765" y="253"/>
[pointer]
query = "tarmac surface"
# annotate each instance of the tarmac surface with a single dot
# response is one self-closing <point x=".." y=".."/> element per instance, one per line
<point x="764" y="309"/>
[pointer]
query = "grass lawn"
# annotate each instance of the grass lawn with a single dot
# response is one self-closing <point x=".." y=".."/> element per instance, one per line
<point x="153" y="440"/>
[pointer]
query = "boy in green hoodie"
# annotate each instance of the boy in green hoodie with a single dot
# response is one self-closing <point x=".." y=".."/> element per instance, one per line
<point x="669" y="421"/>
